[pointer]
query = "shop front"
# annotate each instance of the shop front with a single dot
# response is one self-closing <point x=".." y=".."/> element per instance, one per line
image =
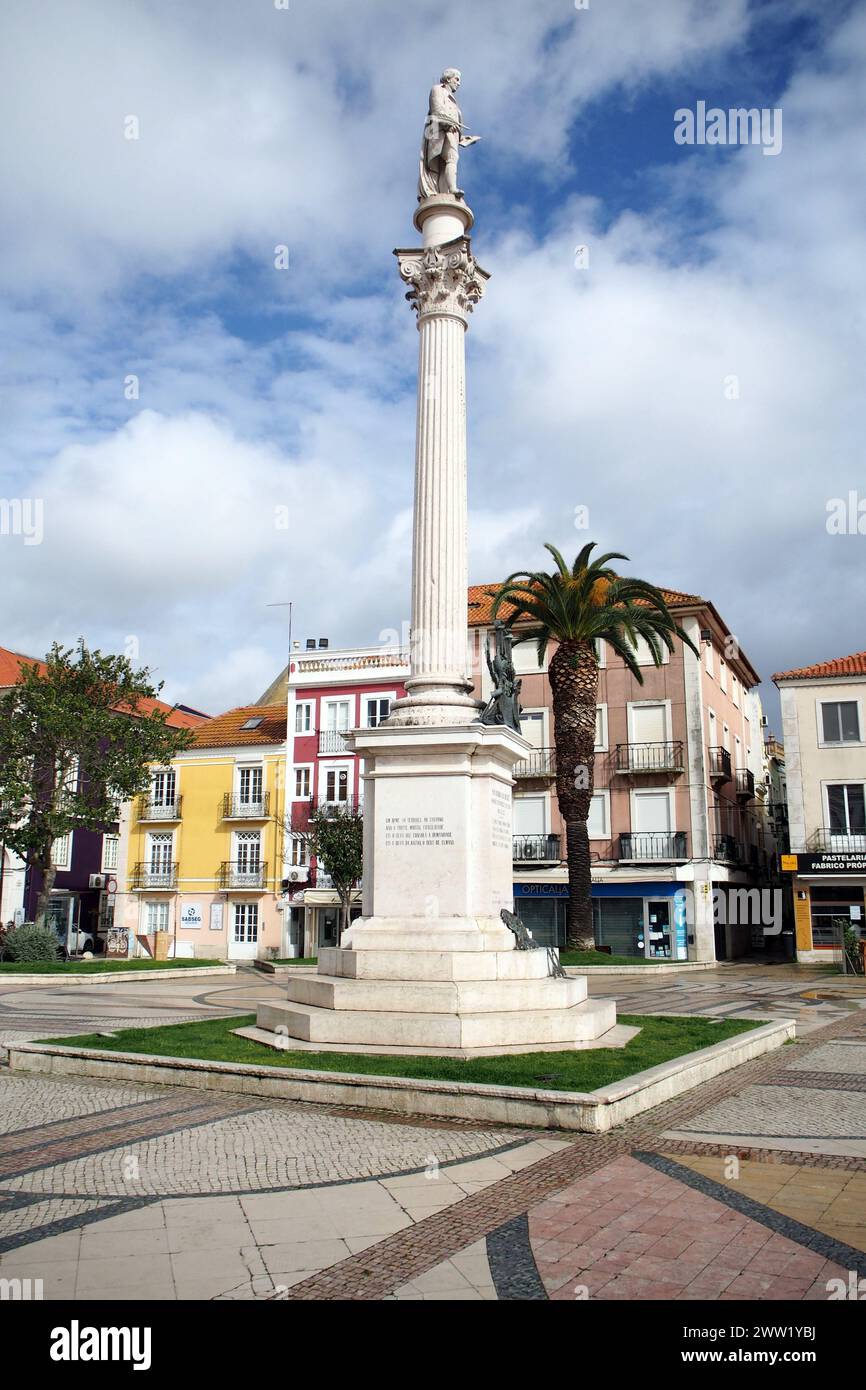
<point x="829" y="892"/>
<point x="629" y="919"/>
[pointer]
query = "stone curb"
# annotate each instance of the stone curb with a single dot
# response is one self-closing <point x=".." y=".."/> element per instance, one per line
<point x="685" y="967"/>
<point x="594" y="1112"/>
<point x="102" y="977"/>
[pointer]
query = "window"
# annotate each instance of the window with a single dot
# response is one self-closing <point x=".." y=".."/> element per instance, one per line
<point x="61" y="850"/>
<point x="246" y="923"/>
<point x="156" y="917"/>
<point x="251" y="723"/>
<point x="337" y="784"/>
<point x="723" y="675"/>
<point x="248" y="853"/>
<point x="336" y="716"/>
<point x="598" y="824"/>
<point x="109" y="851"/>
<point x="600" y="728"/>
<point x="735" y="691"/>
<point x="377" y="710"/>
<point x="840" y="721"/>
<point x="600" y="651"/>
<point x="160" y="849"/>
<point x="708" y="658"/>
<point x="846" y="807"/>
<point x="249" y="785"/>
<point x="163" y="786"/>
<point x="304" y="717"/>
<point x="643" y="655"/>
<point x="302" y="784"/>
<point x="525" y="657"/>
<point x="532" y="726"/>
<point x="648" y="723"/>
<point x="298" y="851"/>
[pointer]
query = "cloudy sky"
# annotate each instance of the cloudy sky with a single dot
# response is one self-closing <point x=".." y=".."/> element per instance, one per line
<point x="698" y="385"/>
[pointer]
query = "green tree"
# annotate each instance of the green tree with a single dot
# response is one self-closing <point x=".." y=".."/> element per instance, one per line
<point x="577" y="608"/>
<point x="75" y="741"/>
<point x="334" y="834"/>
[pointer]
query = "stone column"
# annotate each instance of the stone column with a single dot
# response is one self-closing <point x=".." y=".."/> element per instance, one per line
<point x="445" y="285"/>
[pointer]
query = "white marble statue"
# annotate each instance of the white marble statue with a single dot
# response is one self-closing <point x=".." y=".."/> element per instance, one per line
<point x="444" y="133"/>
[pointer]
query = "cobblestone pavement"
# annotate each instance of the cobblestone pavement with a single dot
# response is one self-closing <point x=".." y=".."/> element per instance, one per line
<point x="753" y="1185"/>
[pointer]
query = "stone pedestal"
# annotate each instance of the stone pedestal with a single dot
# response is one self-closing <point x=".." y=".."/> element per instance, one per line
<point x="430" y="966"/>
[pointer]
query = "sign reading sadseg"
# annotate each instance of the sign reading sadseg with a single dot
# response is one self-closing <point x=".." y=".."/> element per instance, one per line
<point x="191" y="915"/>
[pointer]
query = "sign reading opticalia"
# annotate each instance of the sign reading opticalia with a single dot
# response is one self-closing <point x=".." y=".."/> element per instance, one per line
<point x="843" y="862"/>
<point x="191" y="915"/>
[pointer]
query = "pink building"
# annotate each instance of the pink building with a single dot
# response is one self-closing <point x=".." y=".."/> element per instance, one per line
<point x="678" y="819"/>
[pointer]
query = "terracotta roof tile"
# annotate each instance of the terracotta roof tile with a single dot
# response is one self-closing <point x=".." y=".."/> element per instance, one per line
<point x="10" y="670"/>
<point x="225" y="730"/>
<point x="854" y="665"/>
<point x="481" y="602"/>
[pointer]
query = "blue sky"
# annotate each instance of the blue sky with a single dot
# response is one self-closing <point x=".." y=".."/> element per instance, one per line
<point x="264" y="393"/>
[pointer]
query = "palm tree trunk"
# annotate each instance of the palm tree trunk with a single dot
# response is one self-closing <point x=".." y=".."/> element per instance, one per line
<point x="579" y="927"/>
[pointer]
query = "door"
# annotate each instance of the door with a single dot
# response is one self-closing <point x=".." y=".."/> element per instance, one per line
<point x="244" y="942"/>
<point x="649" y="732"/>
<point x="159" y="864"/>
<point x="249" y="787"/>
<point x="248" y="861"/>
<point x="658" y="928"/>
<point x="162" y="789"/>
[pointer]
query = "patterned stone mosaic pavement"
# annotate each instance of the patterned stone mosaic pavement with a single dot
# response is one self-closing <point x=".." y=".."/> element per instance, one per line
<point x="752" y="1186"/>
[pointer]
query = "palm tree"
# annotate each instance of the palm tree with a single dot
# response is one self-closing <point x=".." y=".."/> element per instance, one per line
<point x="578" y="608"/>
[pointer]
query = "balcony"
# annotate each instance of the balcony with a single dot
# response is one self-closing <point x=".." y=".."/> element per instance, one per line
<point x="649" y="757"/>
<point x="242" y="808"/>
<point x="653" y="845"/>
<point x="146" y="878"/>
<point x="536" y="849"/>
<point x="719" y="764"/>
<point x="332" y="741"/>
<point x="727" y="848"/>
<point x="745" y="784"/>
<point x="159" y="810"/>
<point x="826" y="840"/>
<point x="237" y="875"/>
<point x="540" y="763"/>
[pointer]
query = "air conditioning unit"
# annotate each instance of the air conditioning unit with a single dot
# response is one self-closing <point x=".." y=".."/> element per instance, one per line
<point x="300" y="874"/>
<point x="97" y="881"/>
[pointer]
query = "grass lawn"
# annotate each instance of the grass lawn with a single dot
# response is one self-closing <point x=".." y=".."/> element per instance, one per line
<point x="298" y="960"/>
<point x="600" y="958"/>
<point x="659" y="1040"/>
<point x="94" y="967"/>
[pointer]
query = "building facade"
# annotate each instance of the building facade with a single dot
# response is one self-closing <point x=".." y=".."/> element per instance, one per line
<point x="678" y="822"/>
<point x="201" y="854"/>
<point x="328" y="692"/>
<point x="80" y="909"/>
<point x="824" y="731"/>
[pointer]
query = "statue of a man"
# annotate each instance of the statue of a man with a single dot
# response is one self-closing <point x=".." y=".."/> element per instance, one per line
<point x="503" y="707"/>
<point x="444" y="133"/>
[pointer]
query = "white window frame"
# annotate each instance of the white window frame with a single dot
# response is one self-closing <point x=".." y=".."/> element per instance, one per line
<point x="308" y="706"/>
<point x="343" y="765"/>
<point x="164" y="772"/>
<point x="604" y="797"/>
<point x="637" y="792"/>
<point x="249" y="911"/>
<point x="247" y="837"/>
<point x="708" y="660"/>
<point x="601" y="709"/>
<point x="162" y="837"/>
<point x="62" y="862"/>
<point x="252" y="766"/>
<point x="600" y="652"/>
<point x="825" y="799"/>
<point x="331" y="702"/>
<point x="390" y="695"/>
<point x="536" y="712"/>
<point x="299" y="854"/>
<point x="108" y="867"/>
<point x="666" y="656"/>
<point x="544" y="798"/>
<point x="735" y="690"/>
<point x="819" y="718"/>
<point x="302" y="767"/>
<point x="723" y="675"/>
<point x="158" y="909"/>
<point x="640" y="704"/>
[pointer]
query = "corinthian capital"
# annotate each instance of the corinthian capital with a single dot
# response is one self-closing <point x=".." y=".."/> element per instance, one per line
<point x="443" y="279"/>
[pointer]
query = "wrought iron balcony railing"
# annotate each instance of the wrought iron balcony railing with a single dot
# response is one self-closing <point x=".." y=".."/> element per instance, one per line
<point x="649" y="757"/>
<point x="332" y="741"/>
<point x="148" y="809"/>
<point x="161" y="878"/>
<point x="536" y="849"/>
<point x="727" y="847"/>
<point x="657" y="845"/>
<point x="540" y="763"/>
<point x="850" y="841"/>
<point x="745" y="783"/>
<point x="719" y="764"/>
<point x="239" y="874"/>
<point x="244" y="808"/>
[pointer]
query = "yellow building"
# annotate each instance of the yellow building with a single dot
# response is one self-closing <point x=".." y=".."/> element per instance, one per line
<point x="201" y="854"/>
